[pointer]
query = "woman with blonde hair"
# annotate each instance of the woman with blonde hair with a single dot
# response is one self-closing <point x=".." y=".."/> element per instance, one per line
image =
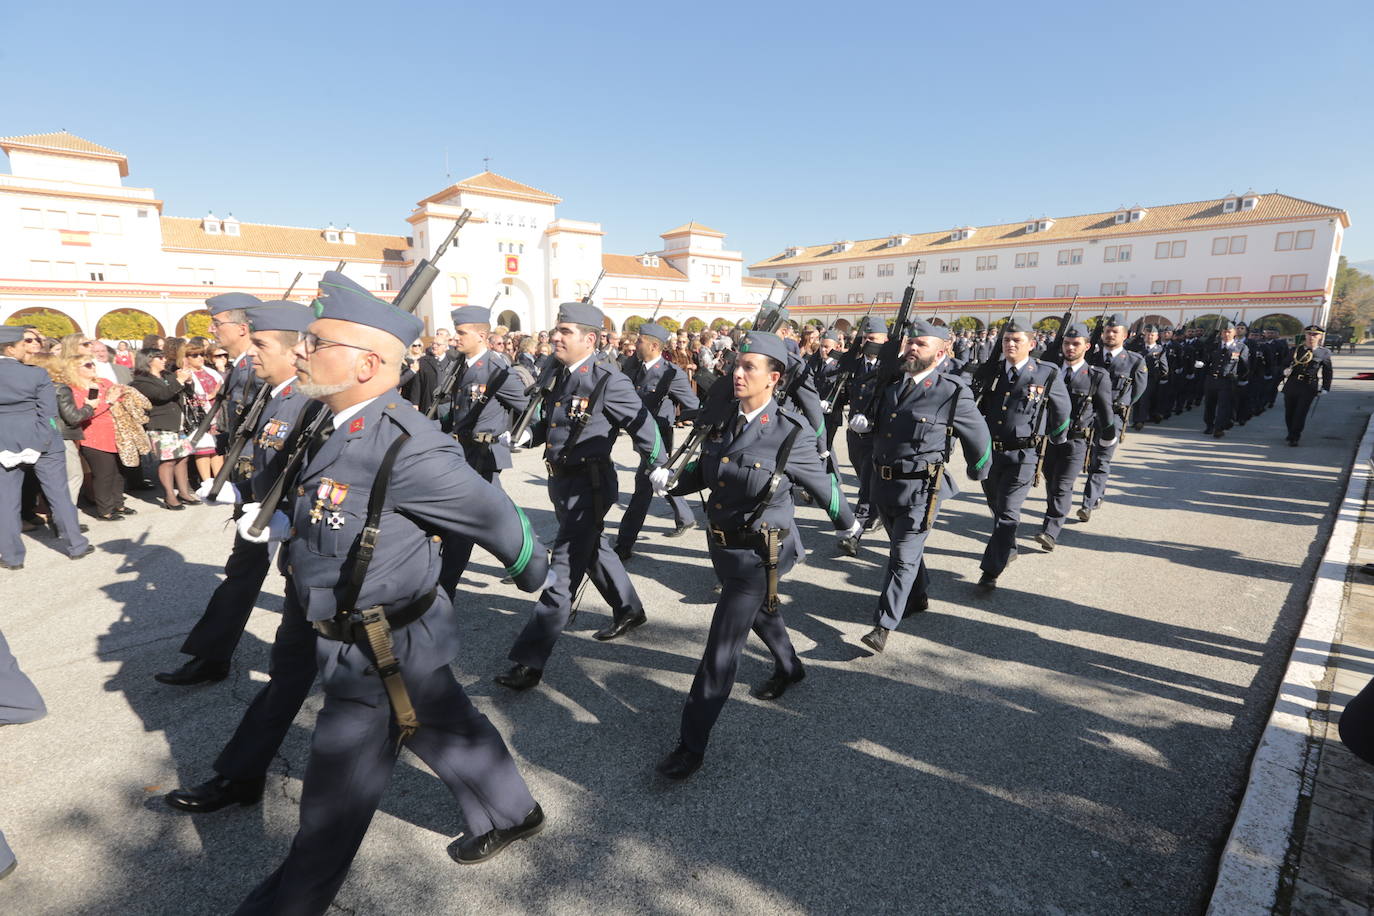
<point x="85" y="402"/>
<point x="59" y="371"/>
<point x="72" y="346"/>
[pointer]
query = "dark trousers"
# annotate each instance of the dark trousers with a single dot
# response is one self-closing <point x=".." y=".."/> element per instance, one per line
<point x="1297" y="402"/>
<point x="906" y="580"/>
<point x="455" y="552"/>
<point x="1356" y="724"/>
<point x="50" y="471"/>
<point x="1006" y="488"/>
<point x="1218" y="402"/>
<point x="1099" y="472"/>
<point x="1063" y="464"/>
<point x="638" y="509"/>
<point x="20" y="701"/>
<point x="833" y="422"/>
<point x="291" y="672"/>
<point x="217" y="633"/>
<point x="580" y="502"/>
<point x="351" y="758"/>
<point x="861" y="457"/>
<point x="744" y="586"/>
<point x="107" y="483"/>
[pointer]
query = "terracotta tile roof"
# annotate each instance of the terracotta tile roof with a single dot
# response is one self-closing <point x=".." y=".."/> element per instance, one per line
<point x="758" y="281"/>
<point x="492" y="183"/>
<point x="185" y="234"/>
<point x="1199" y="215"/>
<point x="693" y="227"/>
<point x="629" y="265"/>
<point x="61" y="141"/>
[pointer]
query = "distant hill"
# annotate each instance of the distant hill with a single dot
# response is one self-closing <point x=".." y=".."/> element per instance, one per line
<point x="1364" y="267"/>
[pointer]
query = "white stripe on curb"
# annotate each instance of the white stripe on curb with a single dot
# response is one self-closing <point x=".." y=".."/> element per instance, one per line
<point x="1284" y="763"/>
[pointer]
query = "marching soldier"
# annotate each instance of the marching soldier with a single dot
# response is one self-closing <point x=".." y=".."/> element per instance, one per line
<point x="20" y="702"/>
<point x="1308" y="379"/>
<point x="1156" y="404"/>
<point x="1264" y="366"/>
<point x="1225" y="365"/>
<point x="229" y="324"/>
<point x="485" y="394"/>
<point x="1129" y="376"/>
<point x="747" y="468"/>
<point x="274" y="329"/>
<point x="825" y="369"/>
<point x="859" y="436"/>
<point x="589" y="400"/>
<point x="380" y="485"/>
<point x="1090" y="418"/>
<point x="914" y="429"/>
<point x="664" y="389"/>
<point x="1026" y="407"/>
<point x="1281" y="359"/>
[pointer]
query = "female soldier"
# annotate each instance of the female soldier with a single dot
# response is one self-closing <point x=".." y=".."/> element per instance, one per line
<point x="751" y="539"/>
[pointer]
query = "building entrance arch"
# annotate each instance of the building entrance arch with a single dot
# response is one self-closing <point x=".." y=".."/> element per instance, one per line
<point x="128" y="324"/>
<point x="1286" y="325"/>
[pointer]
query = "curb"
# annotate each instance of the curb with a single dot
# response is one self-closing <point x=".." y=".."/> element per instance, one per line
<point x="1282" y="770"/>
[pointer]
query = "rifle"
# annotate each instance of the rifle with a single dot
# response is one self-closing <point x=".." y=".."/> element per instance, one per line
<point x="425" y="273"/>
<point x="890" y="355"/>
<point x="247" y="426"/>
<point x="588" y="298"/>
<point x="790" y="290"/>
<point x="988" y="371"/>
<point x="849" y="363"/>
<point x="1064" y="321"/>
<point x="287" y="295"/>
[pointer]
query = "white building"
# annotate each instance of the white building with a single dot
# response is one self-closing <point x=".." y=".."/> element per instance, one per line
<point x="75" y="240"/>
<point x="1252" y="255"/>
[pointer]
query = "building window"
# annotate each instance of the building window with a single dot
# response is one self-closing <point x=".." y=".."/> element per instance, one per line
<point x="856" y="272"/>
<point x="830" y="273"/>
<point x="1115" y="253"/>
<point x="804" y="275"/>
<point x="1223" y="284"/>
<point x="782" y="275"/>
<point x="679" y="295"/>
<point x="1284" y="241"/>
<point x="1162" y="287"/>
<point x="1278" y="283"/>
<point x="827" y="300"/>
<point x="1233" y="244"/>
<point x="207" y="276"/>
<point x="97" y="275"/>
<point x="1170" y="249"/>
<point x="32" y="218"/>
<point x="1112" y="289"/>
<point x="86" y="222"/>
<point x="948" y="295"/>
<point x="983" y="292"/>
<point x="803" y="300"/>
<point x="1023" y="292"/>
<point x="949" y="266"/>
<point x="1070" y="256"/>
<point x="1028" y="259"/>
<point x="118" y="273"/>
<point x="886" y="270"/>
<point x="57" y="219"/>
<point x="40" y="270"/>
<point x="1064" y="290"/>
<point x="986" y="262"/>
<point x="1297" y="282"/>
<point x="915" y="267"/>
<point x="884" y="296"/>
<point x="856" y="298"/>
<point x="919" y="296"/>
<point x="66" y="270"/>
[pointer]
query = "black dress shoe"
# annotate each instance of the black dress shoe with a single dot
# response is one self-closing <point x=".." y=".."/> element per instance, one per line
<point x="4" y="565"/>
<point x="177" y="508"/>
<point x="9" y="870"/>
<point x="621" y="628"/>
<point x="875" y="639"/>
<point x="680" y="764"/>
<point x="849" y="546"/>
<point x="196" y="671"/>
<point x="112" y="517"/>
<point x="90" y="549"/>
<point x="1084" y="514"/>
<point x="1207" y="431"/>
<point x="217" y="793"/>
<point x="1292" y="441"/>
<point x="623" y="551"/>
<point x="682" y="529"/>
<point x="52" y="528"/>
<point x="1218" y="434"/>
<point x="1045" y="540"/>
<point x="777" y="685"/>
<point x="916" y="604"/>
<point x="520" y="677"/>
<point x="471" y="850"/>
<point x="125" y="510"/>
<point x="987" y="582"/>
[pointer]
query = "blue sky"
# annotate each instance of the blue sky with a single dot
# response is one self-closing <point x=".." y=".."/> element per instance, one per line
<point x="775" y="123"/>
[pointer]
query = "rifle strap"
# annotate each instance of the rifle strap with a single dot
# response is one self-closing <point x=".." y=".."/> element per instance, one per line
<point x="593" y="405"/>
<point x="779" y="472"/>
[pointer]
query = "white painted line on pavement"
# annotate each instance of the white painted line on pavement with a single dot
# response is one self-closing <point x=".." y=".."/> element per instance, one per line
<point x="1252" y="862"/>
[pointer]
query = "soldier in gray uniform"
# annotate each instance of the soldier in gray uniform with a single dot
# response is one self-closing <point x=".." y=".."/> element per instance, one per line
<point x="914" y="428"/>
<point x="1092" y="424"/>
<point x="379" y="486"/>
<point x="859" y="436"/>
<point x="1027" y="408"/>
<point x="750" y="469"/>
<point x="229" y="324"/>
<point x="486" y="393"/>
<point x="29" y="435"/>
<point x="589" y="400"/>
<point x="274" y="330"/>
<point x="1308" y="379"/>
<point x="20" y="702"/>
<point x="1130" y="376"/>
<point x="665" y="389"/>
<point x="1225" y="365"/>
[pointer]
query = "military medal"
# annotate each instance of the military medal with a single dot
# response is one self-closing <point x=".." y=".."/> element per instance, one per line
<point x="321" y="493"/>
<point x="335" y="521"/>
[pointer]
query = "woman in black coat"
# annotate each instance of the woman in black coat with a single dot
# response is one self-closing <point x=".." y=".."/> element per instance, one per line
<point x="172" y="450"/>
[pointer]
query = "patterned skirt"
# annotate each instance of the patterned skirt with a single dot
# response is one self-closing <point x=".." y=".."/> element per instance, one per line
<point x="168" y="445"/>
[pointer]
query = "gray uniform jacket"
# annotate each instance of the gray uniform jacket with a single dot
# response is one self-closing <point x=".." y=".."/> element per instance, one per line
<point x="486" y="394"/>
<point x="1128" y="372"/>
<point x="909" y="436"/>
<point x="28" y="408"/>
<point x="284" y="418"/>
<point x="664" y="389"/>
<point x="1037" y="405"/>
<point x="620" y="407"/>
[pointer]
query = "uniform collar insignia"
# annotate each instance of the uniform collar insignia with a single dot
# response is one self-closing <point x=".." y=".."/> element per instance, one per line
<point x="583" y="369"/>
<point x="477" y="365"/>
<point x="763" y="419"/>
<point x="356" y="426"/>
<point x="287" y="390"/>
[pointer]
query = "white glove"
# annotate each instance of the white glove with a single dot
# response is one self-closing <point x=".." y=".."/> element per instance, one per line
<point x="9" y="459"/>
<point x="1107" y="443"/>
<point x="1322" y="391"/>
<point x="524" y="439"/>
<point x="658" y="479"/>
<point x="825" y="406"/>
<point x="854" y="530"/>
<point x="276" y="530"/>
<point x="859" y="423"/>
<point x="228" y="494"/>
<point x="1197" y="364"/>
<point x="825" y="456"/>
<point x="504" y="438"/>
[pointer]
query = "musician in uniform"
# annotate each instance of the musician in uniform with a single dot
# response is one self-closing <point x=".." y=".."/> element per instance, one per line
<point x="749" y="467"/>
<point x="1092" y="424"/>
<point x="665" y="389"/>
<point x="485" y="395"/>
<point x="1129" y="376"/>
<point x="380" y="485"/>
<point x="1308" y="379"/>
<point x="914" y="427"/>
<point x="587" y="401"/>
<point x="1026" y="406"/>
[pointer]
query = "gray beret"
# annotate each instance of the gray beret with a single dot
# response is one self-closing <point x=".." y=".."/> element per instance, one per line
<point x="225" y="302"/>
<point x="471" y="314"/>
<point x="10" y="334"/>
<point x="345" y="300"/>
<point x="923" y="328"/>
<point x="581" y="313"/>
<point x="656" y="331"/>
<point x="770" y="345"/>
<point x="280" y="316"/>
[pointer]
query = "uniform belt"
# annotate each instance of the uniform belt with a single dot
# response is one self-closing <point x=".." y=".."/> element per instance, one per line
<point x="889" y="472"/>
<point x="342" y="629"/>
<point x="585" y="466"/>
<point x="743" y="538"/>
<point x="1081" y="433"/>
<point x="475" y="438"/>
<point x="1012" y="445"/>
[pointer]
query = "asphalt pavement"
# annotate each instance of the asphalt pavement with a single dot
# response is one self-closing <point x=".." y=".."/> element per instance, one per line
<point x="1075" y="742"/>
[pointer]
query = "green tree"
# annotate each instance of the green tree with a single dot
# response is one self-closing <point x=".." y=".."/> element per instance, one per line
<point x="48" y="323"/>
<point x="198" y="324"/>
<point x="694" y="325"/>
<point x="127" y="324"/>
<point x="746" y="324"/>
<point x="722" y="324"/>
<point x="670" y="324"/>
<point x="633" y="324"/>
<point x="967" y="323"/>
<point x="1050" y="324"/>
<point x="1352" y="301"/>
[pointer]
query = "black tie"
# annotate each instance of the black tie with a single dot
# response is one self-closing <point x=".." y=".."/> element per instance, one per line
<point x="1012" y="375"/>
<point x="740" y="422"/>
<point x="318" y="440"/>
